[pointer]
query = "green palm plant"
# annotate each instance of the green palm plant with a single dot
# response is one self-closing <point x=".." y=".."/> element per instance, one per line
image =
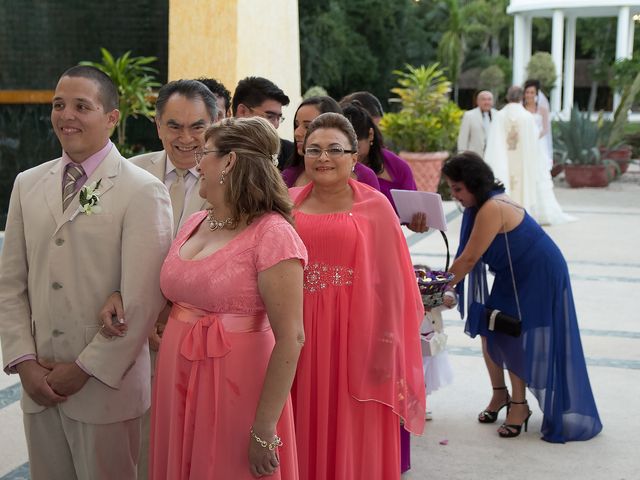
<point x="453" y="45"/>
<point x="135" y="80"/>
<point x="428" y="120"/>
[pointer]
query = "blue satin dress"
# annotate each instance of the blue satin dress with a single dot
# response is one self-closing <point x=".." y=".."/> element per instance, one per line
<point x="548" y="355"/>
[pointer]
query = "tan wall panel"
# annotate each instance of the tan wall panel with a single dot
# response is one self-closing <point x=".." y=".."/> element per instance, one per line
<point x="232" y="39"/>
<point x="202" y="39"/>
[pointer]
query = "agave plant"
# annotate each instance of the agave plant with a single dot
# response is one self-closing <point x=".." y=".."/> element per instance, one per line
<point x="577" y="139"/>
<point x="612" y="132"/>
<point x="135" y="81"/>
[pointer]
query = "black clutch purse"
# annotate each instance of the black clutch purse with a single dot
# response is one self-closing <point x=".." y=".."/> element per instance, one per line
<point x="498" y="321"/>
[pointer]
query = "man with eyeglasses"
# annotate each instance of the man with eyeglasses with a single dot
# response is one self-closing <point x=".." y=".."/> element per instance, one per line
<point x="184" y="111"/>
<point x="259" y="97"/>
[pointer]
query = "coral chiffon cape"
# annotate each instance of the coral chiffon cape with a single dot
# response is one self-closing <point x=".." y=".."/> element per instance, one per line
<point x="384" y="351"/>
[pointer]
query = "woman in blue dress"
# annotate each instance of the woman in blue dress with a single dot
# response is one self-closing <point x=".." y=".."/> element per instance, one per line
<point x="547" y="357"/>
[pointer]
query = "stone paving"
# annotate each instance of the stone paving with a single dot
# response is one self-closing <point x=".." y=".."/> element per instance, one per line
<point x="603" y="252"/>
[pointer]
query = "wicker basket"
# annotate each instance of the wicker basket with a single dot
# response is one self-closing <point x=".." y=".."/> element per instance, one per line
<point x="432" y="285"/>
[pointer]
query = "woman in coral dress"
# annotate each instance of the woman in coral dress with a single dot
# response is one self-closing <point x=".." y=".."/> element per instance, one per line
<point x="360" y="371"/>
<point x="221" y="407"/>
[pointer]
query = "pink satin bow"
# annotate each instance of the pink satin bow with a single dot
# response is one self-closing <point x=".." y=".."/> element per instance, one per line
<point x="206" y="338"/>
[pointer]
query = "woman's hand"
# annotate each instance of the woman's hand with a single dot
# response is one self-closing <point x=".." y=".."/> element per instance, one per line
<point x="418" y="223"/>
<point x="262" y="461"/>
<point x="112" y="316"/>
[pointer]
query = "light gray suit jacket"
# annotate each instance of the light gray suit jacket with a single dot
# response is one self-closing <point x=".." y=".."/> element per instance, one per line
<point x="472" y="136"/>
<point x="57" y="268"/>
<point x="155" y="163"/>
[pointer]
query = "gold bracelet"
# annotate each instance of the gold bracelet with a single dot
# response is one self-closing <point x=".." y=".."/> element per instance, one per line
<point x="276" y="441"/>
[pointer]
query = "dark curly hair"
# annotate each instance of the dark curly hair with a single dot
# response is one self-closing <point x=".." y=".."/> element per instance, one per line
<point x="362" y="124"/>
<point x="324" y="104"/>
<point x="468" y="168"/>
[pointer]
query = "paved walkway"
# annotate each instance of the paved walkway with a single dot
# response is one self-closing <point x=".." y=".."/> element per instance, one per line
<point x="602" y="249"/>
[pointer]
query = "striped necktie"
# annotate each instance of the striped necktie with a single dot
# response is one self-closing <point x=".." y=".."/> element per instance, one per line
<point x="177" y="193"/>
<point x="71" y="177"/>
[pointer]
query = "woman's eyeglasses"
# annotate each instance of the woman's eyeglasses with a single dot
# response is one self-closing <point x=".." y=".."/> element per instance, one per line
<point x="332" y="152"/>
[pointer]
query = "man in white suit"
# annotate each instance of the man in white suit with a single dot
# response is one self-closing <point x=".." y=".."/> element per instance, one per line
<point x="184" y="111"/>
<point x="65" y="250"/>
<point x="475" y="125"/>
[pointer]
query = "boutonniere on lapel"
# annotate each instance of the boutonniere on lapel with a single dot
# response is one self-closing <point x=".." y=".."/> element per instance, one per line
<point x="90" y="198"/>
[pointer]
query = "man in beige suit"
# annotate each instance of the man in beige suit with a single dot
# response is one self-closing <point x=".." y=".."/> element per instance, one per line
<point x="184" y="111"/>
<point x="66" y="249"/>
<point x="475" y="125"/>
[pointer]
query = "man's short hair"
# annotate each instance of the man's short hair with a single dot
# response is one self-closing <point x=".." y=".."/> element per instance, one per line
<point x="514" y="94"/>
<point x="253" y="91"/>
<point x="218" y="89"/>
<point x="191" y="89"/>
<point x="107" y="90"/>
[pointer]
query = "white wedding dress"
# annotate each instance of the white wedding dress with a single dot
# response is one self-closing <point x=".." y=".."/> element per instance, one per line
<point x="546" y="209"/>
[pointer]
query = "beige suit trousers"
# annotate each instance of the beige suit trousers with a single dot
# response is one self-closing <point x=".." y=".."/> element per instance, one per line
<point x="64" y="449"/>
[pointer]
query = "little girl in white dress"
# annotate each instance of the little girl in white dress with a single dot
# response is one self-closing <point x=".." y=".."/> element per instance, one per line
<point x="435" y="360"/>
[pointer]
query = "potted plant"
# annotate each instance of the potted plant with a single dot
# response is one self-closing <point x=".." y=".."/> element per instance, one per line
<point x="577" y="141"/>
<point x="135" y="81"/>
<point x="611" y="139"/>
<point x="426" y="126"/>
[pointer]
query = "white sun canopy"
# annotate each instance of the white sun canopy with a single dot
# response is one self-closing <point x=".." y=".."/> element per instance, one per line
<point x="563" y="40"/>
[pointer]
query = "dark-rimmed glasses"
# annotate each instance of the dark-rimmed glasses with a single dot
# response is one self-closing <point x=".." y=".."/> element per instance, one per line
<point x="273" y="117"/>
<point x="332" y="152"/>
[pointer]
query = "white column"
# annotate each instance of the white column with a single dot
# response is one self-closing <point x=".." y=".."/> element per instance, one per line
<point x="569" y="64"/>
<point x="622" y="44"/>
<point x="557" y="34"/>
<point x="526" y="54"/>
<point x="622" y="38"/>
<point x="632" y="28"/>
<point x="518" y="49"/>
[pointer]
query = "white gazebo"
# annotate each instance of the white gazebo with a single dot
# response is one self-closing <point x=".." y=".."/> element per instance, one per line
<point x="563" y="40"/>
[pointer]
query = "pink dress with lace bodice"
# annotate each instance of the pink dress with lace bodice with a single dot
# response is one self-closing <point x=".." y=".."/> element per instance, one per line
<point x="214" y="355"/>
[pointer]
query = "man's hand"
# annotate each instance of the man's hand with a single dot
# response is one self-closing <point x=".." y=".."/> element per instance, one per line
<point x="158" y="329"/>
<point x="65" y="378"/>
<point x="112" y="317"/>
<point x="34" y="381"/>
<point x="156" y="336"/>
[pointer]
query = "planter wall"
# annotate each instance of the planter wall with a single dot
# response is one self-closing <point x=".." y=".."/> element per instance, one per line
<point x="622" y="156"/>
<point x="579" y="176"/>
<point x="426" y="168"/>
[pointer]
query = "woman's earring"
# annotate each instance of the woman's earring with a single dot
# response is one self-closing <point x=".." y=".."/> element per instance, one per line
<point x="353" y="169"/>
<point x="222" y="174"/>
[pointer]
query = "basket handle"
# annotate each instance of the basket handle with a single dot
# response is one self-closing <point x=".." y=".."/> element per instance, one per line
<point x="446" y="242"/>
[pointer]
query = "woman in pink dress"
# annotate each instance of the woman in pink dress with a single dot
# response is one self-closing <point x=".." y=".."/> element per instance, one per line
<point x="360" y="371"/>
<point x="221" y="406"/>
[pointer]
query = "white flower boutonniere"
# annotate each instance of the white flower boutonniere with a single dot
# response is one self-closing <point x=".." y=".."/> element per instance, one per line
<point x="90" y="198"/>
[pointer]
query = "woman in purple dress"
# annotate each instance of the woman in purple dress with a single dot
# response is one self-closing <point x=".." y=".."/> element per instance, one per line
<point x="309" y="109"/>
<point x="392" y="171"/>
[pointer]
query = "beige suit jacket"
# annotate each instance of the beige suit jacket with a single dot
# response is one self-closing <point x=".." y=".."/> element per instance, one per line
<point x="57" y="268"/>
<point x="155" y="163"/>
<point x="472" y="136"/>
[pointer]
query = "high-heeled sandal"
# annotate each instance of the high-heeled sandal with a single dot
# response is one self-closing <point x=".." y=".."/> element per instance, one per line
<point x="490" y="416"/>
<point x="514" y="430"/>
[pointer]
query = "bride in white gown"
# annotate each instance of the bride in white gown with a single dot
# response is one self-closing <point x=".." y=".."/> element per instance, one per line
<point x="546" y="209"/>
